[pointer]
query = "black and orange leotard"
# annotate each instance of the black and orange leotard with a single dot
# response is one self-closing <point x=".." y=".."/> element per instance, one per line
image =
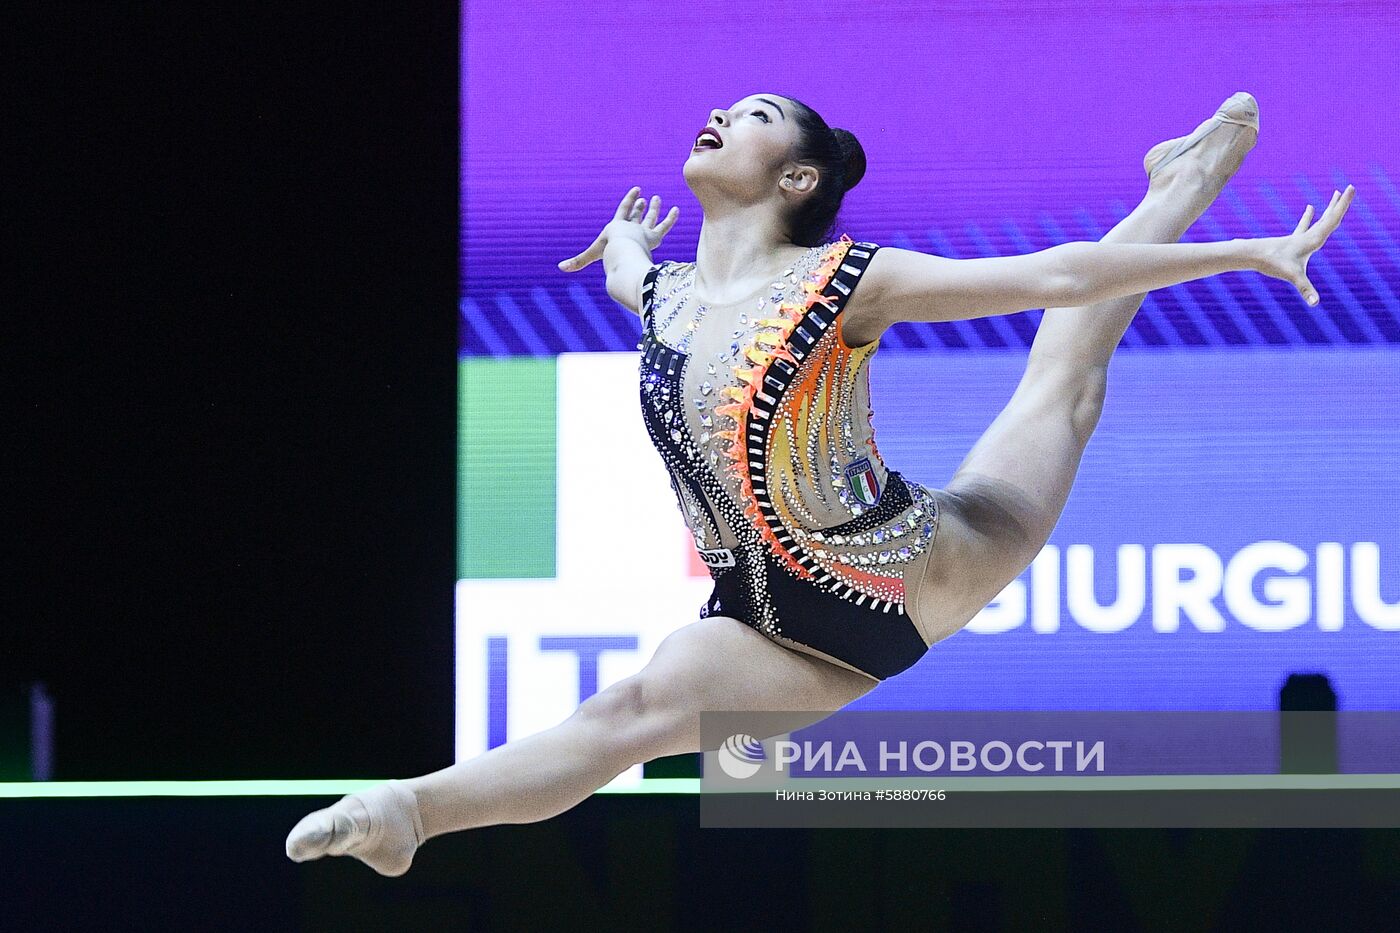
<point x="761" y="413"/>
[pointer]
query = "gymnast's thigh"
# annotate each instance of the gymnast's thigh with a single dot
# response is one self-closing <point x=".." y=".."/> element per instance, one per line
<point x="720" y="664"/>
<point x="976" y="551"/>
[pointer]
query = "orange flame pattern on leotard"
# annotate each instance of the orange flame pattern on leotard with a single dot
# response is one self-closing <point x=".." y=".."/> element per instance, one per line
<point x="810" y="405"/>
<point x="800" y="400"/>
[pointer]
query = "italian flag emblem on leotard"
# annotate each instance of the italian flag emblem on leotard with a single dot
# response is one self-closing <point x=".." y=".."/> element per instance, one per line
<point x="861" y="477"/>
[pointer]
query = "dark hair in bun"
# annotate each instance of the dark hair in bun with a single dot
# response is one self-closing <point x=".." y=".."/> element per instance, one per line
<point x="837" y="156"/>
<point x="852" y="157"/>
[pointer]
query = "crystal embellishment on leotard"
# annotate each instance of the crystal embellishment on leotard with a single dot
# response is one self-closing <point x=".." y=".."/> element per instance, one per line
<point x="787" y="412"/>
<point x="767" y="346"/>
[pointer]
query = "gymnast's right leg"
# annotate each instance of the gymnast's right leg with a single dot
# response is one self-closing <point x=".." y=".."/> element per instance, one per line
<point x="716" y="663"/>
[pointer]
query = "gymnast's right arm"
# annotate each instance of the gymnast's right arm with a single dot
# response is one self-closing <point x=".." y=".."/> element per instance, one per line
<point x="626" y="261"/>
<point x="625" y="246"/>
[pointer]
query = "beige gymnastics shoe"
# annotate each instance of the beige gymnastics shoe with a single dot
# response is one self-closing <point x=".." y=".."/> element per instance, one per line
<point x="380" y="826"/>
<point x="1240" y="109"/>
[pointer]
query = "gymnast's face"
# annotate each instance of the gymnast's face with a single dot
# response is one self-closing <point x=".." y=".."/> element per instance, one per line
<point x="747" y="161"/>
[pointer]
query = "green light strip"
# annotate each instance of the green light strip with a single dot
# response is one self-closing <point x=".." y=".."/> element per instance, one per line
<point x="328" y="788"/>
<point x="316" y="788"/>
<point x="1092" y="783"/>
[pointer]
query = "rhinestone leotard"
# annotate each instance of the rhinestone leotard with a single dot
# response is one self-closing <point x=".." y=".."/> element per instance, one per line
<point x="761" y="414"/>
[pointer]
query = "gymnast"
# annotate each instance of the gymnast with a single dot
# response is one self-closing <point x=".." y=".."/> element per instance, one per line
<point x="831" y="571"/>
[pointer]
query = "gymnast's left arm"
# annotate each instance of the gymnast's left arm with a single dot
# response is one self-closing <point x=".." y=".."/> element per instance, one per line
<point x="916" y="286"/>
<point x="906" y="285"/>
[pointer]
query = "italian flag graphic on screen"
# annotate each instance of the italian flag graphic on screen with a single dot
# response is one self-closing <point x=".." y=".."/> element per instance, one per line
<point x="573" y="561"/>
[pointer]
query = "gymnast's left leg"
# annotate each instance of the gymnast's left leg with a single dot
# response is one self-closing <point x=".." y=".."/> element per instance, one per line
<point x="1006" y="496"/>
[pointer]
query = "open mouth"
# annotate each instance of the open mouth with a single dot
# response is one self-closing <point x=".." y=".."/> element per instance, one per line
<point x="708" y="139"/>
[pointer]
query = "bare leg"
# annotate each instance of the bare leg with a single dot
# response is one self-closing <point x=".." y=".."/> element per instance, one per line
<point x="1007" y="494"/>
<point x="1176" y="197"/>
<point x="1088" y="335"/>
<point x="713" y="664"/>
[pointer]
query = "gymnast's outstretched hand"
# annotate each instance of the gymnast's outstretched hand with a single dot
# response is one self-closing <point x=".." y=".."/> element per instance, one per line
<point x="1286" y="257"/>
<point x="633" y="220"/>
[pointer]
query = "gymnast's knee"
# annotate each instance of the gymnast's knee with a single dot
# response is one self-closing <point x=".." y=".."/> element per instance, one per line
<point x="1088" y="403"/>
<point x="639" y="716"/>
<point x="617" y="705"/>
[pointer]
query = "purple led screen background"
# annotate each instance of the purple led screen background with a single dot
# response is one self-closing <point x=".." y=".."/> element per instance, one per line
<point x="990" y="128"/>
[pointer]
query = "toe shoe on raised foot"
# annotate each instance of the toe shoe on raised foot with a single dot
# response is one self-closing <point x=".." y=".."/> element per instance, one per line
<point x="1240" y="109"/>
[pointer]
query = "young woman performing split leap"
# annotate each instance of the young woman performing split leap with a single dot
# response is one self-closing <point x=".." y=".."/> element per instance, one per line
<point x="831" y="571"/>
